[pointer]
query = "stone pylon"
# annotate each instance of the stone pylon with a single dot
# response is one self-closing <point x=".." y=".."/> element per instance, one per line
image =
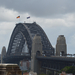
<point x="36" y="47"/>
<point x="3" y="53"/>
<point x="61" y="47"/>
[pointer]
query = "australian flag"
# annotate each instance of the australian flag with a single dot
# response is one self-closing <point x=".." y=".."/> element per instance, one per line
<point x="28" y="17"/>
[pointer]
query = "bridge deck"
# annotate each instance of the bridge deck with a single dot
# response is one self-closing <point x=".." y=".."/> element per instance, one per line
<point x="16" y="58"/>
<point x="57" y="58"/>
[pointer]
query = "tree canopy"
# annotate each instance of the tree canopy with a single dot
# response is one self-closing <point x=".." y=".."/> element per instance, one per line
<point x="68" y="69"/>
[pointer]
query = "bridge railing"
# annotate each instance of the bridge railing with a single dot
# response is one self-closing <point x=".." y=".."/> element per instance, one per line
<point x="69" y="55"/>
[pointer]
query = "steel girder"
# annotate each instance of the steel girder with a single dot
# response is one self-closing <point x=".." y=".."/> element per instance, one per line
<point x="25" y="32"/>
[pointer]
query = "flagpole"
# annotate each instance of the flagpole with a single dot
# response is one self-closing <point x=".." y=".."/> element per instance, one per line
<point x="18" y="17"/>
<point x="28" y="18"/>
<point x="18" y="20"/>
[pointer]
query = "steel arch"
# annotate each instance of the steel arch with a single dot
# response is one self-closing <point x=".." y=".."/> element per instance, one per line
<point x="28" y="31"/>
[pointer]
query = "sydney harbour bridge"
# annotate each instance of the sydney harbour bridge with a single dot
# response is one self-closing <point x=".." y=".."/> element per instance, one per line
<point x="20" y="44"/>
<point x="20" y="47"/>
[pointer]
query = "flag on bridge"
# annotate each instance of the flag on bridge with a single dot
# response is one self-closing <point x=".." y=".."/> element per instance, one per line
<point x="28" y="17"/>
<point x="18" y="17"/>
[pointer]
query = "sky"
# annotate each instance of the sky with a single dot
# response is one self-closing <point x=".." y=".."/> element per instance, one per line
<point x="56" y="17"/>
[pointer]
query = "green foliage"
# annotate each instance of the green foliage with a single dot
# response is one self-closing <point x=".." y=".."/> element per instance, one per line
<point x="49" y="72"/>
<point x="25" y="71"/>
<point x="68" y="69"/>
<point x="42" y="74"/>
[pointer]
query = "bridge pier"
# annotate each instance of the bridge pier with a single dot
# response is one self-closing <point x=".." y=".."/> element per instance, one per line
<point x="61" y="47"/>
<point x="36" y="50"/>
<point x="3" y="53"/>
<point x="51" y="72"/>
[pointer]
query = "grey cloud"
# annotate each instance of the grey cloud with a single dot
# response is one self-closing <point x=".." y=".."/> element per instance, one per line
<point x="40" y="8"/>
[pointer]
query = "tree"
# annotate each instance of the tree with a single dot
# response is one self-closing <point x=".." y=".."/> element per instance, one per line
<point x="42" y="74"/>
<point x="68" y="69"/>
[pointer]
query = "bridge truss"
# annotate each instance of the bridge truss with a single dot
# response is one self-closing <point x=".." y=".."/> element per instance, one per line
<point x="21" y="40"/>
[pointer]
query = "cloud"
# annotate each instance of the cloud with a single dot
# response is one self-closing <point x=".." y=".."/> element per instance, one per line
<point x="53" y="27"/>
<point x="71" y="43"/>
<point x="7" y="15"/>
<point x="6" y="29"/>
<point x="42" y="8"/>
